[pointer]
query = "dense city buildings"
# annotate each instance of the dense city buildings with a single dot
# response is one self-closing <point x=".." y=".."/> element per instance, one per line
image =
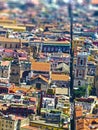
<point x="39" y="39"/>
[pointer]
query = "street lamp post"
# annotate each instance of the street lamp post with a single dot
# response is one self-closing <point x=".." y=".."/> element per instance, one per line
<point x="72" y="96"/>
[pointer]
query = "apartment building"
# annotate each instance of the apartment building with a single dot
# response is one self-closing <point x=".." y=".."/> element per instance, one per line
<point x="11" y="122"/>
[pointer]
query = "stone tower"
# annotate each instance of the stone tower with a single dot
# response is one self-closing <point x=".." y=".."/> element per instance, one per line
<point x="80" y="69"/>
<point x="15" y="71"/>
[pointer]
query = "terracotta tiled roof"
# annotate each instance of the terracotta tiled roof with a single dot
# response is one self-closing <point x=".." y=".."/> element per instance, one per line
<point x="15" y="89"/>
<point x="40" y="66"/>
<point x="86" y="123"/>
<point x="78" y="111"/>
<point x="60" y="77"/>
<point x="30" y="90"/>
<point x="40" y="76"/>
<point x="94" y="1"/>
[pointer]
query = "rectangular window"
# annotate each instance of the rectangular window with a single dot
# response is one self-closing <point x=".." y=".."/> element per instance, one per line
<point x="38" y="85"/>
<point x="52" y="49"/>
<point x="5" y="45"/>
<point x="48" y="49"/>
<point x="64" y="49"/>
<point x="44" y="48"/>
<point x="56" y="49"/>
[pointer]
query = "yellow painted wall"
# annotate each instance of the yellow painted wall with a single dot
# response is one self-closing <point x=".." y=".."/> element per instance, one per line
<point x="43" y="126"/>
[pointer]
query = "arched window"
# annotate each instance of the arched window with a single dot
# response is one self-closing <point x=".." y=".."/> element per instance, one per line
<point x="79" y="83"/>
<point x="52" y="49"/>
<point x="80" y="73"/>
<point x="81" y="62"/>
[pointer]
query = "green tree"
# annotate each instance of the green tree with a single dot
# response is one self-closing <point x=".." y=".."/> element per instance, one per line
<point x="90" y="89"/>
<point x="81" y="91"/>
<point x="50" y="91"/>
<point x="7" y="59"/>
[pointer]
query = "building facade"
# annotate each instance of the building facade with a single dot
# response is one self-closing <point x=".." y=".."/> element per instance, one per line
<point x="81" y="69"/>
<point x="15" y="71"/>
<point x="10" y="122"/>
<point x="96" y="80"/>
<point x="5" y="71"/>
<point x="56" y="46"/>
